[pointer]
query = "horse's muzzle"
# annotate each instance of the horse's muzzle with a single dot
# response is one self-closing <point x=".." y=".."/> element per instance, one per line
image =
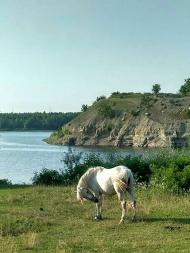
<point x="92" y="198"/>
<point x="95" y="200"/>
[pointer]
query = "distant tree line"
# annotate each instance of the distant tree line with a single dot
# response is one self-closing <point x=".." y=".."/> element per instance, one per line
<point x="35" y="121"/>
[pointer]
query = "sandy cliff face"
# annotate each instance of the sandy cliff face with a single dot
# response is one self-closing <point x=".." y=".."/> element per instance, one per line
<point x="133" y="132"/>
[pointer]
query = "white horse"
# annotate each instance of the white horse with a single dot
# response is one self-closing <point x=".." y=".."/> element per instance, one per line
<point x="97" y="181"/>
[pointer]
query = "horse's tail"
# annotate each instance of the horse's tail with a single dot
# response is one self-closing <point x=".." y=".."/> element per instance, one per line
<point x="126" y="182"/>
<point x="121" y="185"/>
<point x="130" y="180"/>
<point x="130" y="189"/>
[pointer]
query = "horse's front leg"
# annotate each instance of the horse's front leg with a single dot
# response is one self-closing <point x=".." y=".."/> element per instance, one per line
<point x="98" y="215"/>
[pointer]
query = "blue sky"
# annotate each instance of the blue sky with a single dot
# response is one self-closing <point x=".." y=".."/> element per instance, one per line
<point x="56" y="55"/>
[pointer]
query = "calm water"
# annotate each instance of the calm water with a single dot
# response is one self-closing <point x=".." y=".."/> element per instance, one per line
<point x="23" y="153"/>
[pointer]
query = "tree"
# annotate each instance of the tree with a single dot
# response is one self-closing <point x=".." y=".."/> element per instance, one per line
<point x="156" y="88"/>
<point x="84" y="108"/>
<point x="100" y="98"/>
<point x="185" y="88"/>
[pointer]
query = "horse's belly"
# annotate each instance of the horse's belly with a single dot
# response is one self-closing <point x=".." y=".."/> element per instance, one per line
<point x="106" y="186"/>
<point x="108" y="190"/>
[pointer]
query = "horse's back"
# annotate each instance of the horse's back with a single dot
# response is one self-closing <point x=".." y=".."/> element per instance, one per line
<point x="107" y="177"/>
<point x="121" y="172"/>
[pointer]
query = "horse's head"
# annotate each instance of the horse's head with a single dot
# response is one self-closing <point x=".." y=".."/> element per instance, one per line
<point x="86" y="194"/>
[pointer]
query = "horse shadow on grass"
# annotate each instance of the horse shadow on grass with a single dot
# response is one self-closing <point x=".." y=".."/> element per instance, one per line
<point x="172" y="220"/>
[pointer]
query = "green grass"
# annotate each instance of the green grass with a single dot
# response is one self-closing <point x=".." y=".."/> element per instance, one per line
<point x="49" y="219"/>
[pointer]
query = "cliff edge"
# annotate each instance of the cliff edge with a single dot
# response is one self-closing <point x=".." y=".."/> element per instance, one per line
<point x="130" y="120"/>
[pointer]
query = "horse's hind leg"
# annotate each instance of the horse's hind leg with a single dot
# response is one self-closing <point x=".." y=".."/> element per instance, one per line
<point x="121" y="197"/>
<point x="99" y="209"/>
<point x="133" y="203"/>
<point x="123" y="206"/>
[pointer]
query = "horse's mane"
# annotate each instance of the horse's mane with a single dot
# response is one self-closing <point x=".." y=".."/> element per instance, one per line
<point x="83" y="182"/>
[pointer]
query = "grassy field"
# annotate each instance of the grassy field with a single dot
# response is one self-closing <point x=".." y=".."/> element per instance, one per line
<point x="49" y="219"/>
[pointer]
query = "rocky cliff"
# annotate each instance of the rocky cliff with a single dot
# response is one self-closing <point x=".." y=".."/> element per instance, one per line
<point x="141" y="120"/>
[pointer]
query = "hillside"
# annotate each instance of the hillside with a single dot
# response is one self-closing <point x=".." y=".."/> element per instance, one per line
<point x="130" y="119"/>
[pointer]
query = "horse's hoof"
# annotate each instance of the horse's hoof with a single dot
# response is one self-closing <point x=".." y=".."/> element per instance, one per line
<point x="121" y="222"/>
<point x="133" y="219"/>
<point x="98" y="218"/>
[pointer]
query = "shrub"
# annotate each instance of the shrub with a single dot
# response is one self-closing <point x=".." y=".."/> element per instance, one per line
<point x="165" y="177"/>
<point x="105" y="109"/>
<point x="139" y="166"/>
<point x="167" y="169"/>
<point x="5" y="182"/>
<point x="115" y="94"/>
<point x="124" y="95"/>
<point x="173" y="172"/>
<point x="188" y="113"/>
<point x="109" y="127"/>
<point x="135" y="113"/>
<point x="84" y="108"/>
<point x="59" y="133"/>
<point x="100" y="98"/>
<point x="146" y="101"/>
<point x="66" y="131"/>
<point x="74" y="169"/>
<point x="47" y="177"/>
<point x="185" y="88"/>
<point x="185" y="178"/>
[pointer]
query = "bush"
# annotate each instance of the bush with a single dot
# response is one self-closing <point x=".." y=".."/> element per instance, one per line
<point x="185" y="178"/>
<point x="84" y="108"/>
<point x="138" y="165"/>
<point x="124" y="95"/>
<point x="47" y="177"/>
<point x="100" y="98"/>
<point x="105" y="109"/>
<point x="167" y="169"/>
<point x="188" y="113"/>
<point x="185" y="88"/>
<point x="147" y="101"/>
<point x="135" y="113"/>
<point x="165" y="177"/>
<point x="74" y="169"/>
<point x="5" y="182"/>
<point x="172" y="172"/>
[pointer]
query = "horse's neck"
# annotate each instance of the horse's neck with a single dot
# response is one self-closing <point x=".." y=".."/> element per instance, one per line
<point x="84" y="180"/>
<point x="81" y="183"/>
<point x="87" y="180"/>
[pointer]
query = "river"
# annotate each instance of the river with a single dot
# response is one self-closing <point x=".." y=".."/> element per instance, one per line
<point x="23" y="153"/>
